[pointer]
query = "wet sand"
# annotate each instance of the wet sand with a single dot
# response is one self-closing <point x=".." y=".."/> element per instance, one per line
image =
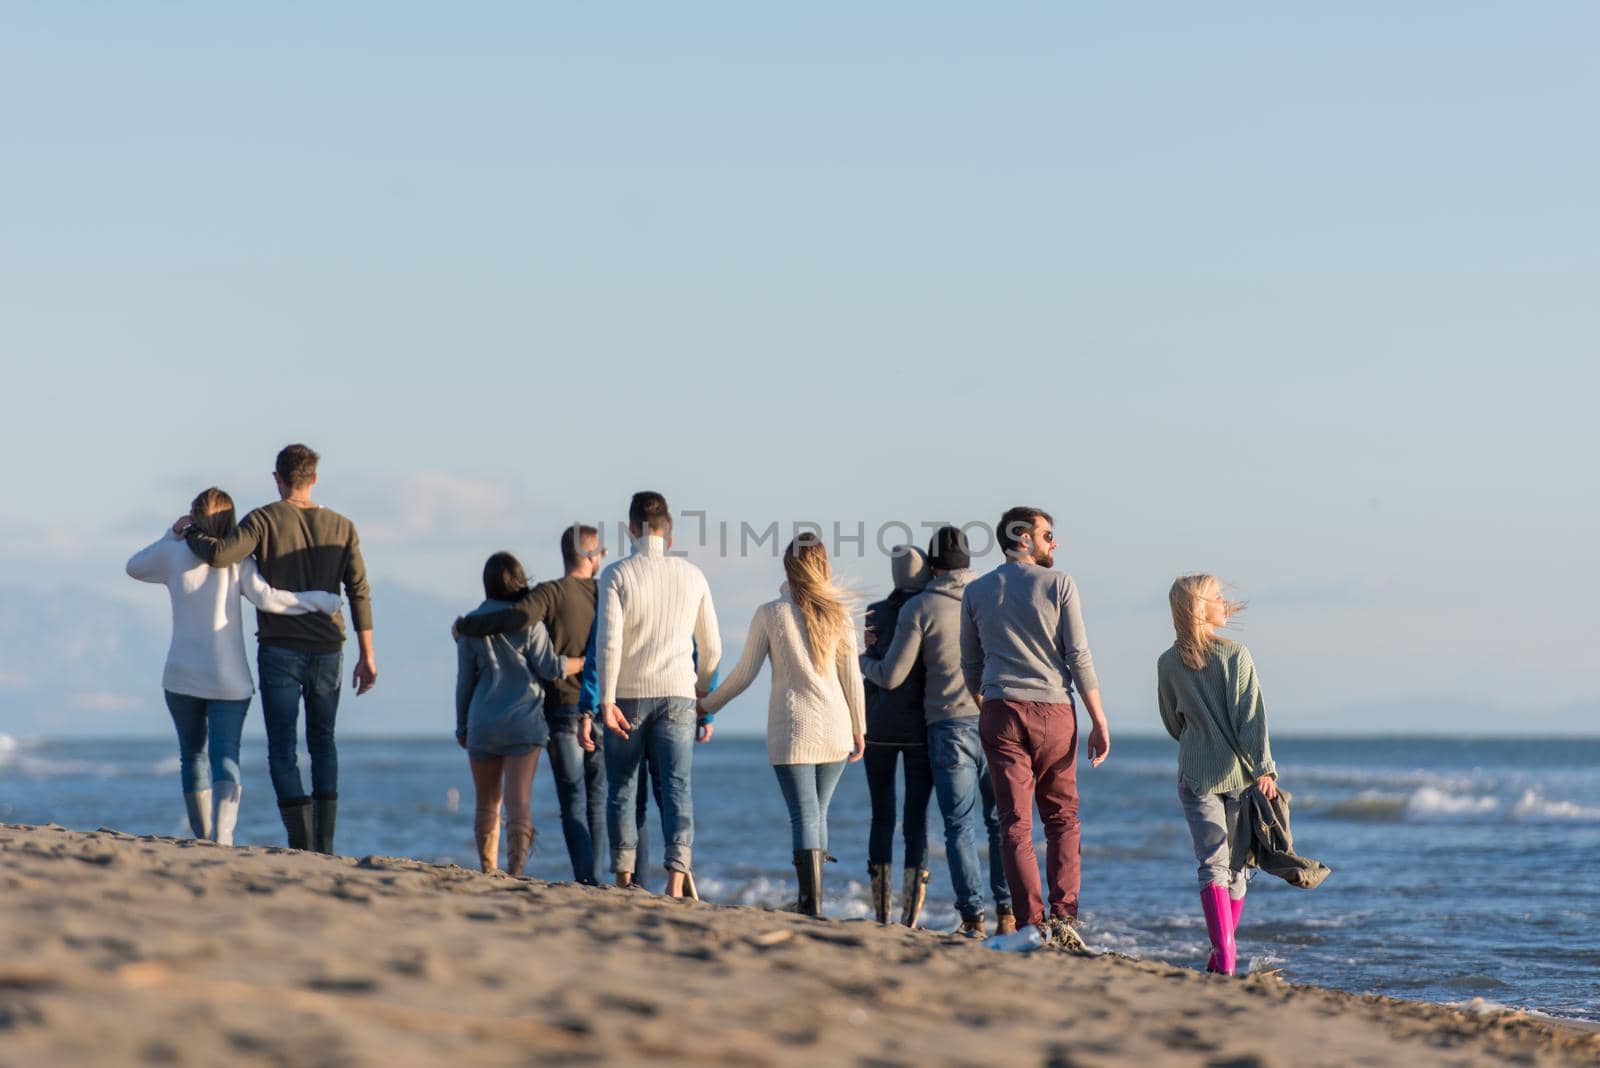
<point x="119" y="950"/>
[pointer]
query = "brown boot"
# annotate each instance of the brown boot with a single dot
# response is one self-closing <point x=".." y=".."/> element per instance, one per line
<point x="971" y="926"/>
<point x="519" y="843"/>
<point x="882" y="890"/>
<point x="1005" y="921"/>
<point x="486" y="827"/>
<point x="913" y="893"/>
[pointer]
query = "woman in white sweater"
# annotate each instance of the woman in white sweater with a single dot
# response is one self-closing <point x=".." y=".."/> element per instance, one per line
<point x="816" y="716"/>
<point x="207" y="678"/>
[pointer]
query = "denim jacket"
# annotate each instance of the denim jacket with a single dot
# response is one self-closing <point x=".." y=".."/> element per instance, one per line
<point x="499" y="702"/>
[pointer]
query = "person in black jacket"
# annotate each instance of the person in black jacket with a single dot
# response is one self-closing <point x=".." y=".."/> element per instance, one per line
<point x="896" y="729"/>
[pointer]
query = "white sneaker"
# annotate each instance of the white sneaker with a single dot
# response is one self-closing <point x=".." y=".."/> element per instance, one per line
<point x="1023" y="940"/>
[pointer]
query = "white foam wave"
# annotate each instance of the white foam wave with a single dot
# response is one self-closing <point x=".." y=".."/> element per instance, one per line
<point x="1531" y="808"/>
<point x="1430" y="803"/>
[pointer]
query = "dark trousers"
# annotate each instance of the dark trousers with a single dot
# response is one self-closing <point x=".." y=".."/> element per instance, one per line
<point x="288" y="677"/>
<point x="881" y="761"/>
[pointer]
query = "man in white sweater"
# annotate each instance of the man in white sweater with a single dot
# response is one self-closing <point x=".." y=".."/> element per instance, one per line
<point x="657" y="647"/>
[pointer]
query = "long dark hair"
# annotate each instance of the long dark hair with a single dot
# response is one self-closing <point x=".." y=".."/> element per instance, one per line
<point x="503" y="578"/>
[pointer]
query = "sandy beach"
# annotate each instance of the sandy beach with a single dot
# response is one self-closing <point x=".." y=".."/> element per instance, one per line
<point x="121" y="950"/>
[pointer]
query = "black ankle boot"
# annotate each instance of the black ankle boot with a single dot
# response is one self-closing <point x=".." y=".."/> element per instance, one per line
<point x="296" y="816"/>
<point x="808" y="873"/>
<point x="325" y="811"/>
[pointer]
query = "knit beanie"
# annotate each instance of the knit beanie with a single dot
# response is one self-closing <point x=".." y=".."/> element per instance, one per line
<point x="948" y="550"/>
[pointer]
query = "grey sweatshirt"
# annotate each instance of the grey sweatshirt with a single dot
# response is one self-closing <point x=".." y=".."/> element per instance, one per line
<point x="930" y="631"/>
<point x="1022" y="636"/>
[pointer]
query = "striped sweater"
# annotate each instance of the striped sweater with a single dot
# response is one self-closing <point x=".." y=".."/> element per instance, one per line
<point x="1217" y="717"/>
<point x="654" y="614"/>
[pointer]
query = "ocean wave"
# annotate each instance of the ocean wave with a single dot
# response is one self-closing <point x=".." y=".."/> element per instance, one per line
<point x="1430" y="804"/>
<point x="1531" y="808"/>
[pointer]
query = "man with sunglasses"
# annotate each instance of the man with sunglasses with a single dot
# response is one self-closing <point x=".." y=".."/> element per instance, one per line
<point x="1023" y="651"/>
<point x="566" y="606"/>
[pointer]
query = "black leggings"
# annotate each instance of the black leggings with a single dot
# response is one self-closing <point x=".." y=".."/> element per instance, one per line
<point x="880" y="761"/>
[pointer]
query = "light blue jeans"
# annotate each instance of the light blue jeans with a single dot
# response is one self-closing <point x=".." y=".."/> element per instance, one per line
<point x="208" y="739"/>
<point x="660" y="731"/>
<point x="807" y="790"/>
<point x="1213" y="819"/>
<point x="966" y="797"/>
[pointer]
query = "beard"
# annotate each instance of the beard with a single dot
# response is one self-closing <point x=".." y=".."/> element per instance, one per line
<point x="1045" y="557"/>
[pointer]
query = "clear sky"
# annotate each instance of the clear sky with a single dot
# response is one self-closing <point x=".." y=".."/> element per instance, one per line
<point x="1306" y="299"/>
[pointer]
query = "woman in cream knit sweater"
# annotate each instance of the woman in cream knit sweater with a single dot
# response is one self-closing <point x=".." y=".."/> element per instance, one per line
<point x="816" y="719"/>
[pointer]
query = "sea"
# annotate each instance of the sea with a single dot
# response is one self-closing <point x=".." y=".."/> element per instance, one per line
<point x="1465" y="871"/>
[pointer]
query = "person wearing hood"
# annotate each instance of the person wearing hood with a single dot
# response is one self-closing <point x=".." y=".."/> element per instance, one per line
<point x="896" y="729"/>
<point x="928" y="641"/>
<point x="816" y="717"/>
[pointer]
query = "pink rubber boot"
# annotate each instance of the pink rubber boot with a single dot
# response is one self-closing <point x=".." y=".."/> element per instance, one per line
<point x="1219" y="926"/>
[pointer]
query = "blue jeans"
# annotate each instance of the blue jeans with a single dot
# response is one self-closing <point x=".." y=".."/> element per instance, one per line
<point x="207" y="729"/>
<point x="287" y="677"/>
<point x="660" y="731"/>
<point x="807" y="790"/>
<point x="961" y="781"/>
<point x="581" y="792"/>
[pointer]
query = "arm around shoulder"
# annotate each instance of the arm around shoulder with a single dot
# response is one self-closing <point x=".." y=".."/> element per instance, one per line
<point x="229" y="550"/>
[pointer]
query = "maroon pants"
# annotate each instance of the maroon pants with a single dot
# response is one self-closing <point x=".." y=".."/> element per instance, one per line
<point x="1032" y="750"/>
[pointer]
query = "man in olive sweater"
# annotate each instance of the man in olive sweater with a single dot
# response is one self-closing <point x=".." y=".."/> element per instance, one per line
<point x="299" y="546"/>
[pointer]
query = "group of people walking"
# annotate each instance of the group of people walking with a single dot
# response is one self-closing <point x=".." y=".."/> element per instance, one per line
<point x="966" y="691"/>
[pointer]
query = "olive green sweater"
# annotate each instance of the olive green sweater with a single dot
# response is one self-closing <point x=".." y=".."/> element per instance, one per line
<point x="1217" y="717"/>
<point x="297" y="549"/>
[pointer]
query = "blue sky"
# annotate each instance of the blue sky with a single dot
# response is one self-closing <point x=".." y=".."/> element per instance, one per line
<point x="1303" y="299"/>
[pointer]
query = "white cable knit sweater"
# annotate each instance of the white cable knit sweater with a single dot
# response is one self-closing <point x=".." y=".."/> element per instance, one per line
<point x="206" y="658"/>
<point x="812" y="717"/>
<point x="654" y="614"/>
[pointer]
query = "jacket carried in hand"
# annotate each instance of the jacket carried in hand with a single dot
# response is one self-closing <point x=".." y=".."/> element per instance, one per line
<point x="1263" y="840"/>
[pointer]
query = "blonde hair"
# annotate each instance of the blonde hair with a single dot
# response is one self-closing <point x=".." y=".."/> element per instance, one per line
<point x="823" y="605"/>
<point x="1194" y="634"/>
<point x="212" y="512"/>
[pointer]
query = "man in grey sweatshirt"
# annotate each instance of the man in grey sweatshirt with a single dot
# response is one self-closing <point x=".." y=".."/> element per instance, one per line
<point x="929" y="633"/>
<point x="1023" y="649"/>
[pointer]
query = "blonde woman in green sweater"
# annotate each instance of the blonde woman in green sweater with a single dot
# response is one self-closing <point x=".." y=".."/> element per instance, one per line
<point x="1210" y="702"/>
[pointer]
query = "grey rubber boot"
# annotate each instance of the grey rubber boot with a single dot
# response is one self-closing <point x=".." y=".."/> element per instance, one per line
<point x="227" y="812"/>
<point x="324" y="813"/>
<point x="808" y="874"/>
<point x="199" y="806"/>
<point x="296" y="817"/>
